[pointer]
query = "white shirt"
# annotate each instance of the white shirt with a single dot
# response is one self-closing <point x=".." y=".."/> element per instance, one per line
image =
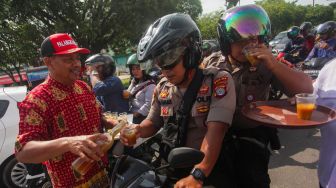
<point x="325" y="88"/>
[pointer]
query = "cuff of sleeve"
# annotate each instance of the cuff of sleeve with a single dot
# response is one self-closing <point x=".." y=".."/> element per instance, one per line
<point x="221" y="115"/>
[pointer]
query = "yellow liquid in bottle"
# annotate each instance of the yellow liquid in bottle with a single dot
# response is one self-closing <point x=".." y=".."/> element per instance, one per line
<point x="82" y="166"/>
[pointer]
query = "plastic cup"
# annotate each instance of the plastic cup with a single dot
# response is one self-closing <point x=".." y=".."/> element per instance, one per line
<point x="110" y="115"/>
<point x="248" y="54"/>
<point x="123" y="116"/>
<point x="305" y="105"/>
<point x="130" y="134"/>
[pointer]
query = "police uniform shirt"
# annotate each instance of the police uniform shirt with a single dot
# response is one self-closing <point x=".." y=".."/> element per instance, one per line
<point x="251" y="83"/>
<point x="215" y="101"/>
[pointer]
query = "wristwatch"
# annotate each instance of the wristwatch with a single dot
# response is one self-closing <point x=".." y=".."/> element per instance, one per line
<point x="198" y="174"/>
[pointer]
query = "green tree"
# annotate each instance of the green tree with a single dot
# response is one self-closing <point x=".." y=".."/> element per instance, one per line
<point x="286" y="14"/>
<point x="95" y="24"/>
<point x="17" y="43"/>
<point x="208" y="25"/>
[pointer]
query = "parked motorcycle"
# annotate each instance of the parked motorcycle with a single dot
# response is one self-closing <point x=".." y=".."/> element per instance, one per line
<point x="130" y="172"/>
<point x="314" y="66"/>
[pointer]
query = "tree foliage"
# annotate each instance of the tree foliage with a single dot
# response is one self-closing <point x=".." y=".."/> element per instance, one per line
<point x="286" y="14"/>
<point x="282" y="14"/>
<point x="208" y="25"/>
<point x="95" y="24"/>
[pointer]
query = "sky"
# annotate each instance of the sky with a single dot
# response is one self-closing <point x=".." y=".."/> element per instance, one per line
<point x="213" y="5"/>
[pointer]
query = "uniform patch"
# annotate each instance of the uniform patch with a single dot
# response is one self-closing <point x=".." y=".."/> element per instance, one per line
<point x="221" y="81"/>
<point x="203" y="90"/>
<point x="202" y="109"/>
<point x="166" y="111"/>
<point x="164" y="94"/>
<point x="220" y="91"/>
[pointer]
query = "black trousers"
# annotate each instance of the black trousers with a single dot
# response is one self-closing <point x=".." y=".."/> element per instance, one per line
<point x="242" y="164"/>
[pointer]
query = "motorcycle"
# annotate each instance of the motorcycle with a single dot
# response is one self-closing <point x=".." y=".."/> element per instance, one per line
<point x="130" y="172"/>
<point x="314" y="66"/>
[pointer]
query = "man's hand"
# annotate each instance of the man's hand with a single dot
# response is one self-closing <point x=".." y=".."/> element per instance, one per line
<point x="188" y="182"/>
<point x="323" y="44"/>
<point x="264" y="55"/>
<point x="86" y="147"/>
<point x="123" y="137"/>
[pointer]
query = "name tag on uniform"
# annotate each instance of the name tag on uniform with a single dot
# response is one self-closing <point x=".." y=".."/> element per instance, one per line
<point x="166" y="111"/>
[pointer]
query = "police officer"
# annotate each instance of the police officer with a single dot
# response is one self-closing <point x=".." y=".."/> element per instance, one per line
<point x="174" y="44"/>
<point x="246" y="156"/>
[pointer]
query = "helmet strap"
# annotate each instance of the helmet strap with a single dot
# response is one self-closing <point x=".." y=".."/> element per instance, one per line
<point x="187" y="75"/>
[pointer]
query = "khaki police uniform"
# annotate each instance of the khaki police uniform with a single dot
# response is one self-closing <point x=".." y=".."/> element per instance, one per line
<point x="245" y="155"/>
<point x="251" y="83"/>
<point x="215" y="102"/>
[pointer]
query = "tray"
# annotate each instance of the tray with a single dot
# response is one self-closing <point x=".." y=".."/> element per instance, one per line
<point x="282" y="114"/>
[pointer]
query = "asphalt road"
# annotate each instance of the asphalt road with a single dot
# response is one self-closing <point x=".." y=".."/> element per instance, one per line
<point x="295" y="166"/>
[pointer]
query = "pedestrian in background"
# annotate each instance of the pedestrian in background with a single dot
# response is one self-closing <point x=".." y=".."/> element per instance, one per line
<point x="107" y="87"/>
<point x="140" y="90"/>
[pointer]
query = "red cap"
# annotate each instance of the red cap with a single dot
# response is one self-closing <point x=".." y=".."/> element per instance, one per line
<point x="60" y="43"/>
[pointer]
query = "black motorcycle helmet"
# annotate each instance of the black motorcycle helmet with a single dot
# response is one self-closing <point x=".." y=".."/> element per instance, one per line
<point x="306" y="27"/>
<point x="168" y="38"/>
<point x="108" y="67"/>
<point x="242" y="22"/>
<point x="293" y="32"/>
<point x="328" y="28"/>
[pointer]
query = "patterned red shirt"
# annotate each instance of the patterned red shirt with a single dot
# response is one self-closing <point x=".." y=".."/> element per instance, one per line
<point x="53" y="110"/>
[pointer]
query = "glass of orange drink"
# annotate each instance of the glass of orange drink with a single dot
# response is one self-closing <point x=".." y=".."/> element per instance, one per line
<point x="248" y="54"/>
<point x="305" y="105"/>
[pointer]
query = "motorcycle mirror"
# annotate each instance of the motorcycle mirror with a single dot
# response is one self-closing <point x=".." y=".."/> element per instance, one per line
<point x="184" y="157"/>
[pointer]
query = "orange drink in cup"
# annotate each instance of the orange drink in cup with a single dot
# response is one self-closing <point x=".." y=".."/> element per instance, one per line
<point x="305" y="105"/>
<point x="248" y="54"/>
<point x="130" y="134"/>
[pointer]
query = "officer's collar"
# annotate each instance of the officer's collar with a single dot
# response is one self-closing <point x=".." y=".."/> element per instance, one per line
<point x="235" y="66"/>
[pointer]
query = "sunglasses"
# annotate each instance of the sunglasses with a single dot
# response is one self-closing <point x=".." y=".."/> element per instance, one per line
<point x="171" y="66"/>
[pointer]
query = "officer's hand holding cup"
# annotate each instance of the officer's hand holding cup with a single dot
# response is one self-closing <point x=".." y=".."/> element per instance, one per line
<point x="130" y="134"/>
<point x="248" y="53"/>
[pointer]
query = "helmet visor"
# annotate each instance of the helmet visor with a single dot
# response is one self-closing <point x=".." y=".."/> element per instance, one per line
<point x="169" y="57"/>
<point x="246" y="21"/>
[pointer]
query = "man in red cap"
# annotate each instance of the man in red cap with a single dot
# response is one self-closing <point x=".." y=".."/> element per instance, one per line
<point x="60" y="119"/>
